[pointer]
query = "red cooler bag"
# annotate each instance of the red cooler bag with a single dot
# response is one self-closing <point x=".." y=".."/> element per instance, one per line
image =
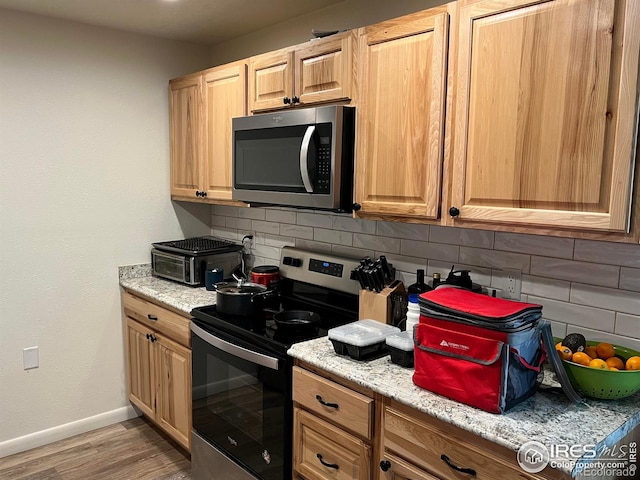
<point x="487" y="356"/>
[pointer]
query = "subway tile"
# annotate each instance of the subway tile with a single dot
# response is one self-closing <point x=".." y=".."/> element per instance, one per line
<point x="278" y="240"/>
<point x="280" y="216"/>
<point x="546" y="287"/>
<point x="314" y="246"/>
<point x="609" y="298"/>
<point x="224" y="232"/>
<point x="407" y="264"/>
<point x="272" y="253"/>
<point x="461" y="236"/>
<point x="600" y="336"/>
<point x="493" y="259"/>
<point x="558" y="329"/>
<point x="265" y="227"/>
<point x="627" y="325"/>
<point x="314" y="220"/>
<point x="587" y="317"/>
<point x="218" y="220"/>
<point x="333" y="236"/>
<point x="437" y="251"/>
<point x="630" y="279"/>
<point x="297" y="231"/>
<point x="377" y="243"/>
<point x="225" y="210"/>
<point x="534" y="244"/>
<point x="239" y="223"/>
<point x="610" y="253"/>
<point x="591" y="273"/>
<point x="356" y="253"/>
<point x="348" y="224"/>
<point x="252" y="213"/>
<point x="410" y="231"/>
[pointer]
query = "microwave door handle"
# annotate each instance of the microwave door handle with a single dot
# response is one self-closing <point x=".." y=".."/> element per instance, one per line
<point x="304" y="153"/>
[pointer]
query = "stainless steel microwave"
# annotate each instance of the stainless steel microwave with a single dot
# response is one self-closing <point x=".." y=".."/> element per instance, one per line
<point x="298" y="158"/>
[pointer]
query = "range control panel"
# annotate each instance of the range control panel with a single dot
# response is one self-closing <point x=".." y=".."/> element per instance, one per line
<point x="325" y="269"/>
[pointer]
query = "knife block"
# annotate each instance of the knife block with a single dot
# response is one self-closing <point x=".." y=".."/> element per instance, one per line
<point x="378" y="305"/>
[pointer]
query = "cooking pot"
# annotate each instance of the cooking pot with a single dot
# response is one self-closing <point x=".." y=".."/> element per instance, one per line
<point x="240" y="298"/>
<point x="296" y="319"/>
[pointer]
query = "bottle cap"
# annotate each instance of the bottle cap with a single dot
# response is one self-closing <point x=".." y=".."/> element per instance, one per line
<point x="413" y="298"/>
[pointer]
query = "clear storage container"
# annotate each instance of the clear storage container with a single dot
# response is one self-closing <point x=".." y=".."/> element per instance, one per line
<point x="361" y="340"/>
<point x="400" y="346"/>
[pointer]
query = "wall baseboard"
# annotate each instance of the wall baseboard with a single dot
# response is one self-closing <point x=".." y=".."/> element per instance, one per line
<point x="44" y="437"/>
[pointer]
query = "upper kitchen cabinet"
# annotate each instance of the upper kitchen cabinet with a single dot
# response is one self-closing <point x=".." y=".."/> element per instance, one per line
<point x="185" y="106"/>
<point x="225" y="97"/>
<point x="201" y="108"/>
<point x="314" y="72"/>
<point x="400" y="115"/>
<point x="545" y="116"/>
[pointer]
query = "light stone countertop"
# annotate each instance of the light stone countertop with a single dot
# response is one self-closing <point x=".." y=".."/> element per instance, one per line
<point x="138" y="279"/>
<point x="547" y="417"/>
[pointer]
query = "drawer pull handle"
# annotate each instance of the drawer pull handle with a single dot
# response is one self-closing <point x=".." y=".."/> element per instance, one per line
<point x="469" y="471"/>
<point x="385" y="465"/>
<point x="152" y="317"/>
<point x="327" y="404"/>
<point x="330" y="465"/>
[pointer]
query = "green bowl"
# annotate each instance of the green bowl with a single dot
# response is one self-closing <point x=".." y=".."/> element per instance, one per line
<point x="604" y="384"/>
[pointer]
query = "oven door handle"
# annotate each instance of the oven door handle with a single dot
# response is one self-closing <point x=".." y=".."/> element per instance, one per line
<point x="304" y="154"/>
<point x="235" y="350"/>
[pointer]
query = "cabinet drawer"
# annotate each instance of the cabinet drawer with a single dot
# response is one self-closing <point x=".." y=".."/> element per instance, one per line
<point x="322" y="451"/>
<point x="346" y="408"/>
<point x="431" y="447"/>
<point x="174" y="326"/>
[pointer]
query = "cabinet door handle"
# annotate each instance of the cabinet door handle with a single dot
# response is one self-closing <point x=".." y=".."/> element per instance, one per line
<point x="286" y="100"/>
<point x="295" y="100"/>
<point x="385" y="465"/>
<point x="152" y="317"/>
<point x="148" y="336"/>
<point x="326" y="404"/>
<point x="469" y="471"/>
<point x="454" y="211"/>
<point x="330" y="465"/>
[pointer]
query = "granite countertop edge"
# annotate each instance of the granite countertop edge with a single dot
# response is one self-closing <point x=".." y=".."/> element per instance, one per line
<point x="546" y="417"/>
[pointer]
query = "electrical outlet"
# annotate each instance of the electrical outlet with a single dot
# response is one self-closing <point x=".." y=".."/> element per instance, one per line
<point x="30" y="358"/>
<point x="512" y="283"/>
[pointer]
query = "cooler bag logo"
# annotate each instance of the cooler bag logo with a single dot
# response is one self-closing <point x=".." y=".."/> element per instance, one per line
<point x="458" y="346"/>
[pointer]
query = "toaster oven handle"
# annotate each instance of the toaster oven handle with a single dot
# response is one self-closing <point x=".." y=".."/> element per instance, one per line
<point x="304" y="153"/>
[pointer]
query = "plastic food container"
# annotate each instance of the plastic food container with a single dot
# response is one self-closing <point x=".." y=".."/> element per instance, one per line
<point x="361" y="340"/>
<point x="400" y="346"/>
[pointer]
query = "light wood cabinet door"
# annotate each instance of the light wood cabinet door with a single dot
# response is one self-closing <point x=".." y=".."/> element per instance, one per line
<point x="185" y="123"/>
<point x="323" y="451"/>
<point x="140" y="367"/>
<point x="394" y="468"/>
<point x="173" y="405"/>
<point x="225" y="97"/>
<point x="270" y="80"/>
<point x="545" y="113"/>
<point x="319" y="71"/>
<point x="323" y="69"/>
<point x="400" y="115"/>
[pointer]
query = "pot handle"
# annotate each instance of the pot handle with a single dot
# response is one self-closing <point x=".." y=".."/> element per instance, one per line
<point x="267" y="294"/>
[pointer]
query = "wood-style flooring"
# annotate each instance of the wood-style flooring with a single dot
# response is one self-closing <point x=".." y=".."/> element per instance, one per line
<point x="130" y="450"/>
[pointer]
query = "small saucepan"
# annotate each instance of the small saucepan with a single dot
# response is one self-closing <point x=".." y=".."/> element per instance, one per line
<point x="296" y="319"/>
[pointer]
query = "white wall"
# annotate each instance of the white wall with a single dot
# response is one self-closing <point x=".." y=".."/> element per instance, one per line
<point x="84" y="187"/>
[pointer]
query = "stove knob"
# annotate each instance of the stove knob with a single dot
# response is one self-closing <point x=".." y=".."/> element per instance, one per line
<point x="296" y="262"/>
<point x="287" y="260"/>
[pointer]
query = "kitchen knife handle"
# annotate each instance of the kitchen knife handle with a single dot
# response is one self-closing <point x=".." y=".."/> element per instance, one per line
<point x="386" y="269"/>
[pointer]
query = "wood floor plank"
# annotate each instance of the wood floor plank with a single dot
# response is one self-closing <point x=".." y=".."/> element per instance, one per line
<point x="134" y="449"/>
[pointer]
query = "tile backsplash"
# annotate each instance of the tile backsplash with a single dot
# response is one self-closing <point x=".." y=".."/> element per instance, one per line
<point x="584" y="286"/>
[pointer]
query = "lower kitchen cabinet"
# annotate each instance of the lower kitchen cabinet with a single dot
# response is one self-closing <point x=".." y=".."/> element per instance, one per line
<point x="159" y="366"/>
<point x="333" y="428"/>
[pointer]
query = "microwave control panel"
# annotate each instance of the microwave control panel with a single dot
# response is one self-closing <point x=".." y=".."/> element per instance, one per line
<point x="324" y="166"/>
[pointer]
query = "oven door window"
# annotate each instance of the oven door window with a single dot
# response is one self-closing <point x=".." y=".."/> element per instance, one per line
<point x="239" y="405"/>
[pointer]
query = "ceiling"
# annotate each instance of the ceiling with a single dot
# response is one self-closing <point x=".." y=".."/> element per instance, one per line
<point x="200" y="21"/>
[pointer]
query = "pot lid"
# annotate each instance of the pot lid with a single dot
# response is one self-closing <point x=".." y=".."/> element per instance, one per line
<point x="233" y="288"/>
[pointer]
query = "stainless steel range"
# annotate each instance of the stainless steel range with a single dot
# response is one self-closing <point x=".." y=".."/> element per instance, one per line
<point x="242" y="407"/>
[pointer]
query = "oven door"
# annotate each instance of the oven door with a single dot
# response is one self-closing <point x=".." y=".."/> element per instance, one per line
<point x="242" y="402"/>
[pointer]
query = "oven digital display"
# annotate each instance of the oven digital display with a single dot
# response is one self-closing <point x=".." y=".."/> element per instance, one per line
<point x="326" y="268"/>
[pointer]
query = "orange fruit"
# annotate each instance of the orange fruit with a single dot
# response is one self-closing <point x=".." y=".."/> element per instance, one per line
<point x="615" y="362"/>
<point x="581" y="358"/>
<point x="558" y="345"/>
<point x="565" y="353"/>
<point x="605" y="350"/>
<point x="591" y="351"/>
<point x="613" y="369"/>
<point x="598" y="363"/>
<point x="633" y="363"/>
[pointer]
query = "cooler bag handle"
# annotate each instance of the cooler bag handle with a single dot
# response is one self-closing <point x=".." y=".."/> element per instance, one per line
<point x="527" y="365"/>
